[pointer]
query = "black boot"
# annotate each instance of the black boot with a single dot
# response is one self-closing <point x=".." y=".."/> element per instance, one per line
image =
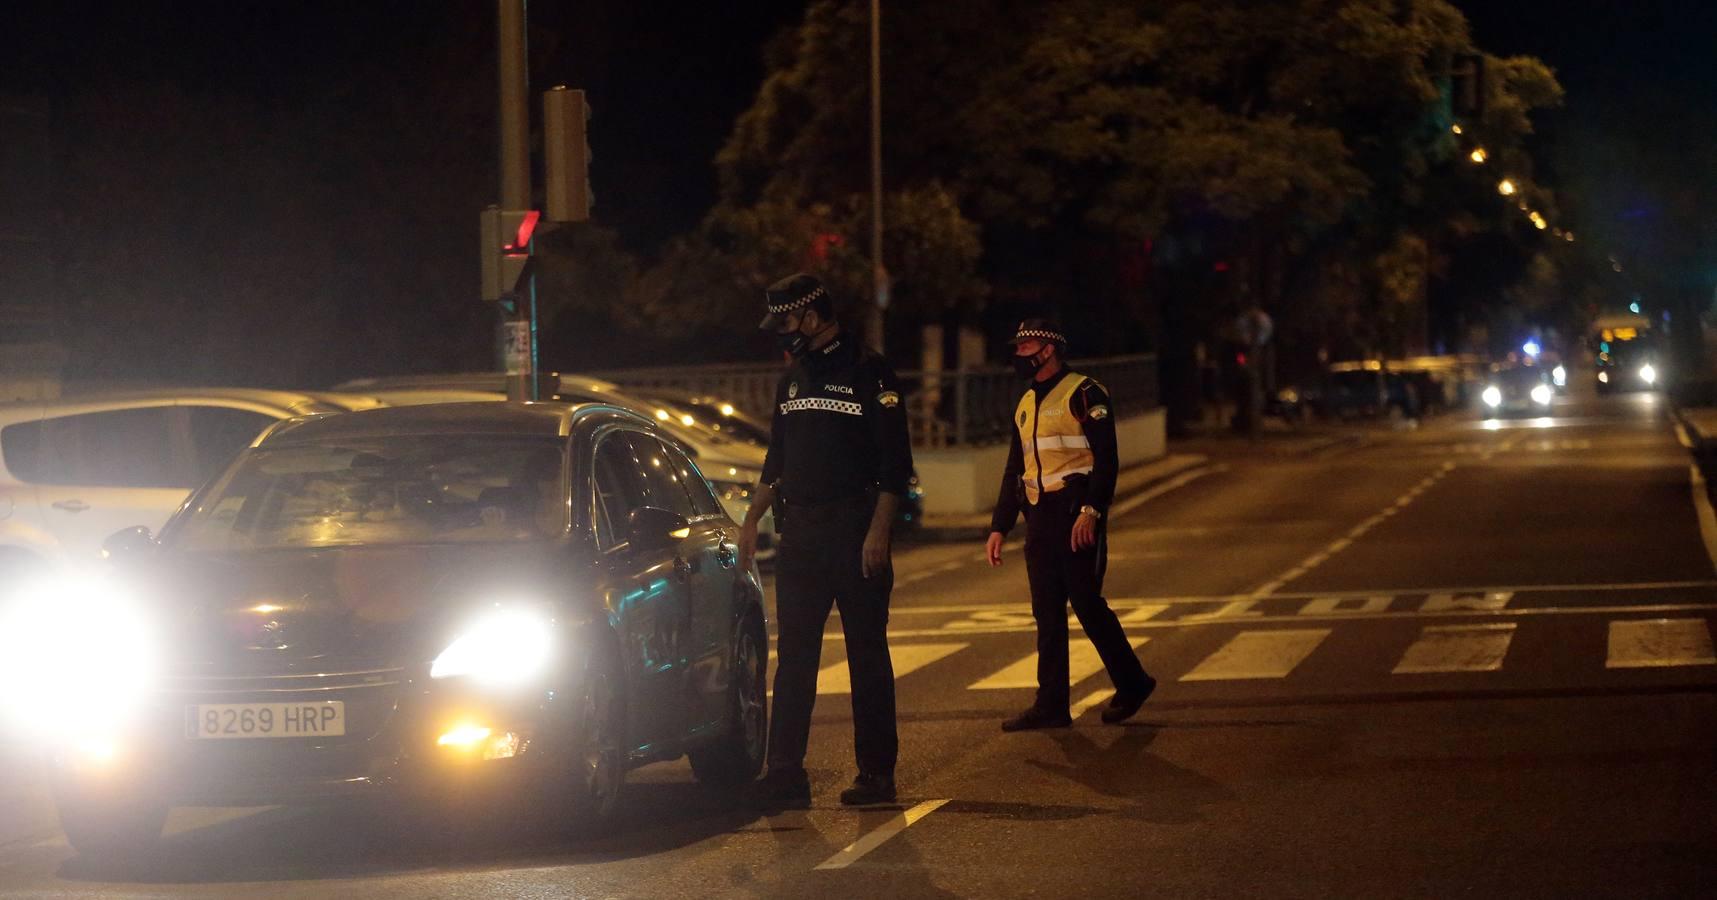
<point x="784" y="789"/>
<point x="1125" y="703"/>
<point x="1034" y="719"/>
<point x="869" y="789"/>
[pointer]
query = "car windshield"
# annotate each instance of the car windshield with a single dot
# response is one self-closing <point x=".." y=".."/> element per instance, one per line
<point x="393" y="490"/>
<point x="1520" y="377"/>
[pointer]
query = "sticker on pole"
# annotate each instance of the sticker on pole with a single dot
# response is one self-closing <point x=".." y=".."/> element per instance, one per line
<point x="516" y="347"/>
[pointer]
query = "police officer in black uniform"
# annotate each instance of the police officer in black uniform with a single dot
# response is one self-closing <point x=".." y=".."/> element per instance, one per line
<point x="839" y="461"/>
<point x="1061" y="471"/>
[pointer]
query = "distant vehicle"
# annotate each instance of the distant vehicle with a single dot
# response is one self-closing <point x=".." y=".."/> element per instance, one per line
<point x="511" y="602"/>
<point x="1628" y="355"/>
<point x="1518" y="390"/>
<point x="1356" y="390"/>
<point x="732" y="462"/>
<point x="75" y="470"/>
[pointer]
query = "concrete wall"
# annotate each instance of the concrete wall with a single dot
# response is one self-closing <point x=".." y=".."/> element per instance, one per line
<point x="964" y="481"/>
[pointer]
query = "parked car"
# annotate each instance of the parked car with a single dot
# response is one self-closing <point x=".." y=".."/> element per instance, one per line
<point x="732" y="462"/>
<point x="76" y="470"/>
<point x="514" y="603"/>
<point x="1356" y="390"/>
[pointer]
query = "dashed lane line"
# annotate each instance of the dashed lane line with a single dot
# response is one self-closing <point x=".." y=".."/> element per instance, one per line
<point x="857" y="849"/>
<point x="1306" y="565"/>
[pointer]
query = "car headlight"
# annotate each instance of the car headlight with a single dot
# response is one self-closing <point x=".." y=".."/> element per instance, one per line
<point x="77" y="657"/>
<point x="503" y="648"/>
<point x="1648" y="374"/>
<point x="1492" y="396"/>
<point x="1603" y="378"/>
<point x="1542" y="394"/>
<point x="1560" y="376"/>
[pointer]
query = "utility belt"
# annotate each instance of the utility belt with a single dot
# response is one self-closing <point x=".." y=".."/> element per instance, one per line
<point x="1065" y="495"/>
<point x="799" y="513"/>
<point x="1056" y="482"/>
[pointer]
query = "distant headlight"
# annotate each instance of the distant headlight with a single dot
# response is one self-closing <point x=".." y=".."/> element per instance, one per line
<point x="1492" y="396"/>
<point x="1560" y="376"/>
<point x="1648" y="374"/>
<point x="505" y="647"/>
<point x="732" y="491"/>
<point x="1603" y="378"/>
<point x="1542" y="394"/>
<point x="77" y="657"/>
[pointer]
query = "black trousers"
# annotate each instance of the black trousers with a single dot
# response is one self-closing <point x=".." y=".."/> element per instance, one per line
<point x="819" y="565"/>
<point x="1058" y="577"/>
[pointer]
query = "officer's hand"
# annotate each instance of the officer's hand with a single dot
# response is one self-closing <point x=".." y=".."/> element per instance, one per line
<point x="747" y="545"/>
<point x="1084" y="533"/>
<point x="993" y="548"/>
<point x="875" y="552"/>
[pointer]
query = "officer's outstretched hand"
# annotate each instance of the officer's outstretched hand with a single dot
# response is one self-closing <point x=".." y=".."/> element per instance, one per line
<point x="747" y="545"/>
<point x="993" y="548"/>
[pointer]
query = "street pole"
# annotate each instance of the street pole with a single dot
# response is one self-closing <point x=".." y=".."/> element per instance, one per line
<point x="515" y="149"/>
<point x="878" y="273"/>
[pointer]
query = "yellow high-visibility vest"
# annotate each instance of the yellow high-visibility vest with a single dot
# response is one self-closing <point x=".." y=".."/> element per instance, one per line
<point x="1052" y="438"/>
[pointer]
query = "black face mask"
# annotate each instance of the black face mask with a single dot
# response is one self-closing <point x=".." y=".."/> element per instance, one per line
<point x="1027" y="366"/>
<point x="795" y="343"/>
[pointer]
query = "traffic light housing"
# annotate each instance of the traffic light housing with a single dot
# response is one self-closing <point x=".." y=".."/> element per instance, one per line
<point x="566" y="155"/>
<point x="506" y="249"/>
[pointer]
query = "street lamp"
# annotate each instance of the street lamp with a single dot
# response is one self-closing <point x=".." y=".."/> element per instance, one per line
<point x="1478" y="156"/>
<point x="1506" y="187"/>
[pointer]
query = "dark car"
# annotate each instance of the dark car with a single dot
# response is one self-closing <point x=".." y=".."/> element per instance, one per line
<point x="1518" y="390"/>
<point x="424" y="601"/>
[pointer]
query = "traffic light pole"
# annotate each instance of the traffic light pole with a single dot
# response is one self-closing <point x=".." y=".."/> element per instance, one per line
<point x="513" y="114"/>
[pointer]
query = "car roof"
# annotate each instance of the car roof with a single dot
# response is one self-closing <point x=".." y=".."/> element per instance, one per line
<point x="284" y="403"/>
<point x="485" y="418"/>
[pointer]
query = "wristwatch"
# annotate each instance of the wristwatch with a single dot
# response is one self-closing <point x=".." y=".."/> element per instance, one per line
<point x="1089" y="510"/>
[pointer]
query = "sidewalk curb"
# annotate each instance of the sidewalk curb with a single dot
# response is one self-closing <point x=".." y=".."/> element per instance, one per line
<point x="1164" y="468"/>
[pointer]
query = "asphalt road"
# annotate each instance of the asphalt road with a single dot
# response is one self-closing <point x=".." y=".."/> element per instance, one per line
<point x="1461" y="660"/>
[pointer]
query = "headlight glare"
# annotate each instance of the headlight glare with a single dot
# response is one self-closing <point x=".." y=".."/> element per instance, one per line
<point x="1492" y="396"/>
<point x="1542" y="395"/>
<point x="1648" y="373"/>
<point x="503" y="648"/>
<point x="77" y="657"/>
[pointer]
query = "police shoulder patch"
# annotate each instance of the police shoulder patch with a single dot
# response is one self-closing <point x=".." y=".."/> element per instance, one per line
<point x="1098" y="413"/>
<point x="792" y="389"/>
<point x="888" y="399"/>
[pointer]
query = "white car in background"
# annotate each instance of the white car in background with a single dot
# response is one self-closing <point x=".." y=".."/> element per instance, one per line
<point x="76" y="470"/>
<point x="732" y="462"/>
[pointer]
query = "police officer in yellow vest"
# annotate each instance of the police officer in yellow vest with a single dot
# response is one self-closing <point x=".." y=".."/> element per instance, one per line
<point x="1061" y="471"/>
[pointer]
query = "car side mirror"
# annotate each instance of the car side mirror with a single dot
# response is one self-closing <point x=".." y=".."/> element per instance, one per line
<point x="654" y="528"/>
<point x="130" y="542"/>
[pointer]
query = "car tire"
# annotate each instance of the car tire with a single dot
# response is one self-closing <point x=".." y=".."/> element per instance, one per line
<point x="737" y="756"/>
<point x="111" y="830"/>
<point x="596" y="771"/>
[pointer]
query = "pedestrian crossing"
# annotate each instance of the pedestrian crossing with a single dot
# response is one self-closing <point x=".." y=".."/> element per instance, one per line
<point x="1275" y="654"/>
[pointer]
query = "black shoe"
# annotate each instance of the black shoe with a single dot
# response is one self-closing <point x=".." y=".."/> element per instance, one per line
<point x="869" y="789"/>
<point x="784" y="789"/>
<point x="1033" y="719"/>
<point x="1125" y="703"/>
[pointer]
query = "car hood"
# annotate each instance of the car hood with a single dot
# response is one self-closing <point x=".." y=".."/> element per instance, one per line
<point x="333" y="609"/>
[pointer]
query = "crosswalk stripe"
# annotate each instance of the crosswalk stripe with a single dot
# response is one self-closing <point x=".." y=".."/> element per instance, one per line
<point x="1259" y="654"/>
<point x="1457" y="648"/>
<point x="1082" y="663"/>
<point x="1144" y="613"/>
<point x="1643" y="643"/>
<point x="908" y="658"/>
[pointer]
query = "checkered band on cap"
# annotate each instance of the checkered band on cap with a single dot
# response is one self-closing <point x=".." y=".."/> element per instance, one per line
<point x="1042" y="334"/>
<point x="790" y="305"/>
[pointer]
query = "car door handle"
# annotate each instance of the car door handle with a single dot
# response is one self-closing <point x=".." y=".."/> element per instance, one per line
<point x="71" y="506"/>
<point x="724" y="554"/>
<point x="682" y="568"/>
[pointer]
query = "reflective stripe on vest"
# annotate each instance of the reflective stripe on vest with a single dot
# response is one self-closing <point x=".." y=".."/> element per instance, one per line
<point x="1052" y="438"/>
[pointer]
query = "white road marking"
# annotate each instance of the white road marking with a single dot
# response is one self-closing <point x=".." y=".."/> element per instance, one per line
<point x="1179" y="481"/>
<point x="1707" y="520"/>
<point x="1092" y="699"/>
<point x="1233" y="609"/>
<point x="1269" y="588"/>
<point x="1145" y="612"/>
<point x="1441" y="602"/>
<point x="1259" y="654"/>
<point x="1643" y="643"/>
<point x="1082" y="663"/>
<point x="1328" y="606"/>
<point x="1457" y="648"/>
<point x="908" y="658"/>
<point x="857" y="849"/>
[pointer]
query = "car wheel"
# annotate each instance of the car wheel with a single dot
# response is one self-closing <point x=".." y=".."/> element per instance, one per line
<point x="737" y="756"/>
<point x="111" y="830"/>
<point x="598" y="757"/>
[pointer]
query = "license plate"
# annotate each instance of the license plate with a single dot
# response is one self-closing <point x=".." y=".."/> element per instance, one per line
<point x="267" y="720"/>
